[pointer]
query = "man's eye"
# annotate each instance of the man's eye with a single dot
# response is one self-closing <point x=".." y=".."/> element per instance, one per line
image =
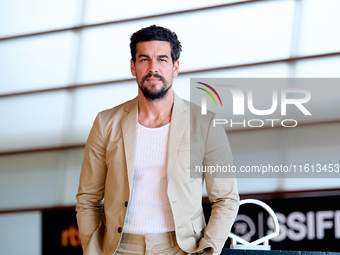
<point x="144" y="59"/>
<point x="163" y="60"/>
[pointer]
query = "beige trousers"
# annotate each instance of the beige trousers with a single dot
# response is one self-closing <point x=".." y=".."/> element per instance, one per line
<point x="164" y="243"/>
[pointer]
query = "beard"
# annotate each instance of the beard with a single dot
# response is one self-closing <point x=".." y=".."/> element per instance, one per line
<point x="154" y="95"/>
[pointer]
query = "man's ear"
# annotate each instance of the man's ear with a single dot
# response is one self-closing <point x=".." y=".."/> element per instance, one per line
<point x="132" y="68"/>
<point x="176" y="69"/>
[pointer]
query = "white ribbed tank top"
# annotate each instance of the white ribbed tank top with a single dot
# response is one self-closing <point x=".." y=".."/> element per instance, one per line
<point x="149" y="210"/>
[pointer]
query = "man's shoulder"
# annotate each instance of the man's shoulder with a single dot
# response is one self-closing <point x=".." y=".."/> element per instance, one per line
<point x="118" y="110"/>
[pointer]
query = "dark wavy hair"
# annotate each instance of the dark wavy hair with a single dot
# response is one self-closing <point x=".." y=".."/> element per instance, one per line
<point x="156" y="33"/>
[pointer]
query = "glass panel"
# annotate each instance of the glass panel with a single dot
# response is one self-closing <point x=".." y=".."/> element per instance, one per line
<point x="70" y="180"/>
<point x="103" y="55"/>
<point x="312" y="145"/>
<point x="217" y="38"/>
<point x="320" y="27"/>
<point x="107" y="10"/>
<point x="35" y="62"/>
<point x="324" y="104"/>
<point x="20" y="233"/>
<point x="29" y="180"/>
<point x="181" y="84"/>
<point x="279" y="70"/>
<point x="33" y="120"/>
<point x="22" y="17"/>
<point x="226" y="37"/>
<point x="100" y="98"/>
<point x="252" y="148"/>
<point x="316" y="144"/>
<point x="40" y="179"/>
<point x="318" y="68"/>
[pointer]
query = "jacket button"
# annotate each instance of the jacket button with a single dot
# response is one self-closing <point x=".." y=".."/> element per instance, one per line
<point x="120" y="230"/>
<point x="126" y="203"/>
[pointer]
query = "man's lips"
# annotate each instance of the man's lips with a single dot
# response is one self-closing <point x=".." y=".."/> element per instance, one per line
<point x="153" y="79"/>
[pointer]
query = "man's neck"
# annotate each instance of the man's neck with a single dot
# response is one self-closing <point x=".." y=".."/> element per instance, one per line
<point x="158" y="111"/>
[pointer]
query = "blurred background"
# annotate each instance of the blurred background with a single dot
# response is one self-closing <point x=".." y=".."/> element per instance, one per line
<point x="61" y="62"/>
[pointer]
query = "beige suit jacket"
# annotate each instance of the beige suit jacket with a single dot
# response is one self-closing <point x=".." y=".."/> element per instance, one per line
<point x="108" y="168"/>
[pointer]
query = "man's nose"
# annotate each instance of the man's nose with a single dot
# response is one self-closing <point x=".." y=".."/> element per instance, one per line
<point x="153" y="67"/>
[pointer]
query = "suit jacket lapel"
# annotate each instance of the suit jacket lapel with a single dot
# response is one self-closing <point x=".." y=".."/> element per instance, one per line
<point x="129" y="130"/>
<point x="179" y="123"/>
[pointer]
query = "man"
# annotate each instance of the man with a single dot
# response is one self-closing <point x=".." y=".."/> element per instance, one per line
<point x="137" y="158"/>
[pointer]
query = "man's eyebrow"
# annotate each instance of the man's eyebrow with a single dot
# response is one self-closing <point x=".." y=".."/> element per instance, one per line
<point x="163" y="56"/>
<point x="143" y="56"/>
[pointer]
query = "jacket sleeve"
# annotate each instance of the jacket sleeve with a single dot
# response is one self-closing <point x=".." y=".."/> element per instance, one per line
<point x="91" y="184"/>
<point x="221" y="188"/>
